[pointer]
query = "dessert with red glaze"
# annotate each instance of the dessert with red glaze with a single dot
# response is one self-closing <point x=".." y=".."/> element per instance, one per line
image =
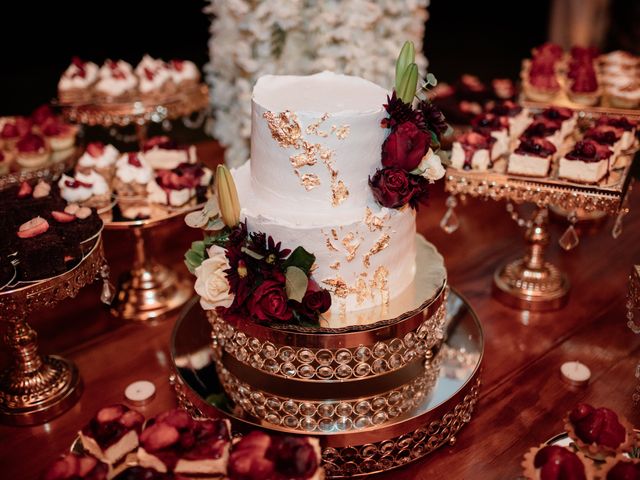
<point x="258" y="456"/>
<point x="544" y="128"/>
<point x="540" y="82"/>
<point x="606" y="135"/>
<point x="532" y="157"/>
<point x="112" y="433"/>
<point x="178" y="186"/>
<point x="517" y="116"/>
<point x="174" y="442"/>
<point x="566" y="117"/>
<point x="32" y="151"/>
<point x="623" y="123"/>
<point x="77" y="81"/>
<point x="552" y="462"/>
<point x="43" y="115"/>
<point x="621" y="468"/>
<point x="472" y="150"/>
<point x="497" y="127"/>
<point x="587" y="162"/>
<point x="600" y="431"/>
<point x="549" y="50"/>
<point x="76" y="467"/>
<point x="162" y="153"/>
<point x="61" y="136"/>
<point x="583" y="85"/>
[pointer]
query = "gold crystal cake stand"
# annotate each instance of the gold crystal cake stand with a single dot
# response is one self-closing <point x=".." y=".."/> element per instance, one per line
<point x="531" y="282"/>
<point x="36" y="388"/>
<point x="436" y="421"/>
<point x="149" y="290"/>
<point x="59" y="163"/>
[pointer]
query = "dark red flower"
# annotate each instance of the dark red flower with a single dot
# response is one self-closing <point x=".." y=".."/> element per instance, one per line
<point x="405" y="146"/>
<point x="399" y="112"/>
<point x="433" y="118"/>
<point x="393" y="188"/>
<point x="269" y="303"/>
<point x="316" y="300"/>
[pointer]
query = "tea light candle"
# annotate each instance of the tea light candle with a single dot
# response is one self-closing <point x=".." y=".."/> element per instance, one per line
<point x="575" y="373"/>
<point x="140" y="393"/>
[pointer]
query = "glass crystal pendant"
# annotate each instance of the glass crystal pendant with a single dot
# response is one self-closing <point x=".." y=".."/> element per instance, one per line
<point x="569" y="239"/>
<point x="450" y="222"/>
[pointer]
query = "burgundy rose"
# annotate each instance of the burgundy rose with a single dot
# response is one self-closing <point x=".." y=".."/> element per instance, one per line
<point x="405" y="147"/>
<point x="269" y="302"/>
<point x="391" y="187"/>
<point x="316" y="300"/>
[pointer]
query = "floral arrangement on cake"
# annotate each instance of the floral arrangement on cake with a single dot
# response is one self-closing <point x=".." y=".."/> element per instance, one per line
<point x="250" y="275"/>
<point x="409" y="153"/>
<point x="251" y="39"/>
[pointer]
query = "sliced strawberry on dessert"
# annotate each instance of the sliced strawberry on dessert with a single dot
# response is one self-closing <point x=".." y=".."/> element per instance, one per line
<point x="25" y="190"/>
<point x="159" y="436"/>
<point x="95" y="149"/>
<point x="24" y="125"/>
<point x="62" y="217"/>
<point x="132" y="158"/>
<point x="177" y="418"/>
<point x="177" y="65"/>
<point x="34" y="227"/>
<point x="149" y="74"/>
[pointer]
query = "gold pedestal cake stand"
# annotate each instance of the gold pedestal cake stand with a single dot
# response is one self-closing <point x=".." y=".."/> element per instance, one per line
<point x="59" y="163"/>
<point x="149" y="290"/>
<point x="531" y="282"/>
<point x="138" y="112"/>
<point x="36" y="388"/>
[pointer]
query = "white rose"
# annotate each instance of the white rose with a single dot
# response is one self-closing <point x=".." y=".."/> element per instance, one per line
<point x="211" y="281"/>
<point x="431" y="167"/>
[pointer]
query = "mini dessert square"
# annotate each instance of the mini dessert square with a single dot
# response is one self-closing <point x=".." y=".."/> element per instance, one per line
<point x="544" y="128"/>
<point x="133" y="173"/>
<point x="627" y="125"/>
<point x="518" y="117"/>
<point x="41" y="251"/>
<point x="162" y="153"/>
<point x="258" y="456"/>
<point x="587" y="162"/>
<point x="532" y="157"/>
<point x="498" y="128"/>
<point x="77" y="80"/>
<point x="174" y="442"/>
<point x="178" y="186"/>
<point x="74" y="466"/>
<point x="472" y="150"/>
<point x="564" y="116"/>
<point x="606" y="135"/>
<point x="155" y="79"/>
<point x="112" y="433"/>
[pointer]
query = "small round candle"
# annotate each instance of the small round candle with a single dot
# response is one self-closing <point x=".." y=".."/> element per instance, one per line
<point x="575" y="373"/>
<point x="140" y="392"/>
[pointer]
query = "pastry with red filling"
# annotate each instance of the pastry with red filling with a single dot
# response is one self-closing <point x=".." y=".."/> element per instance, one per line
<point x="587" y="162"/>
<point x="532" y="157"/>
<point x="76" y="467"/>
<point x="606" y="135"/>
<point x="566" y="117"/>
<point x="599" y="431"/>
<point x="517" y="116"/>
<point x="552" y="462"/>
<point x="32" y="151"/>
<point x="583" y="85"/>
<point x="539" y="79"/>
<point x="472" y="150"/>
<point x="627" y="125"/>
<point x="621" y="468"/>
<point x="174" y="442"/>
<point x="544" y="128"/>
<point x="497" y="127"/>
<point x="112" y="433"/>
<point x="258" y="456"/>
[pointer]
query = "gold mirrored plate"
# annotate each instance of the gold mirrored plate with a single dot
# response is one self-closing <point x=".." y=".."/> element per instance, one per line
<point x="37" y="388"/>
<point x="411" y="436"/>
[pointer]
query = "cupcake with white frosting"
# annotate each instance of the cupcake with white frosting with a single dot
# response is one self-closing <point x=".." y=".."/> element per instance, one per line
<point x="99" y="157"/>
<point x="184" y="73"/>
<point x="88" y="190"/>
<point x="133" y="173"/>
<point x="155" y="80"/>
<point x="117" y="82"/>
<point x="77" y="81"/>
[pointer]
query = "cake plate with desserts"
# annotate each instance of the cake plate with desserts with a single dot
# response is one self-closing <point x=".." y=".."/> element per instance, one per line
<point x="149" y="290"/>
<point x="533" y="283"/>
<point x="138" y="112"/>
<point x="58" y="163"/>
<point x="364" y="438"/>
<point x="35" y="388"/>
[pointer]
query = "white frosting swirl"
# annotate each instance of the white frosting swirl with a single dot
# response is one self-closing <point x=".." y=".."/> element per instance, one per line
<point x="106" y="71"/>
<point x="75" y="194"/>
<point x="98" y="184"/>
<point x="189" y="71"/>
<point x="117" y="86"/>
<point x="108" y="158"/>
<point x="73" y="79"/>
<point x="128" y="172"/>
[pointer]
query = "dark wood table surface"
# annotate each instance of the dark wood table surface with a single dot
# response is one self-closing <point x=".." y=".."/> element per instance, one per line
<point x="522" y="400"/>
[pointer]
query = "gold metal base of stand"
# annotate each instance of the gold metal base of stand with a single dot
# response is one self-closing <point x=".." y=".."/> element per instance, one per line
<point x="531" y="283"/>
<point x="52" y="390"/>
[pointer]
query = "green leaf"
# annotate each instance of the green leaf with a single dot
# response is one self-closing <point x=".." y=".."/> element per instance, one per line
<point x="198" y="247"/>
<point x="406" y="57"/>
<point x="409" y="83"/>
<point x="300" y="258"/>
<point x="251" y="253"/>
<point x="431" y="80"/>
<point x="296" y="282"/>
<point x="219" y="400"/>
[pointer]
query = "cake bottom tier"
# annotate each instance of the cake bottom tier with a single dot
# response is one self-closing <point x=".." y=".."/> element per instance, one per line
<point x="364" y="257"/>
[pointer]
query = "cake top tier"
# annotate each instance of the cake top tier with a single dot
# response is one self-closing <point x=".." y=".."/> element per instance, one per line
<point x="324" y="92"/>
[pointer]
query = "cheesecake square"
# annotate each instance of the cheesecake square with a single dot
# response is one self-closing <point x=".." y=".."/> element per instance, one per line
<point x="566" y="118"/>
<point x="517" y="116"/>
<point x="546" y="129"/>
<point x="628" y="127"/>
<point x="497" y="127"/>
<point x="587" y="162"/>
<point x="532" y="158"/>
<point x="472" y="150"/>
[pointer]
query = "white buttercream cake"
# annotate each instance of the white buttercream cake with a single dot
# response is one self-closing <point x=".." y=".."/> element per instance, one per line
<point x="315" y="142"/>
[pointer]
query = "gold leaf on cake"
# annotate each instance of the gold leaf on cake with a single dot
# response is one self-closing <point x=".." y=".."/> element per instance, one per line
<point x="351" y="244"/>
<point x="330" y="245"/>
<point x="335" y="266"/>
<point x="334" y="234"/>
<point x="362" y="290"/>
<point x="339" y="193"/>
<point x="373" y="222"/>
<point x="313" y="128"/>
<point x="285" y="128"/>
<point x="381" y="244"/>
<point x="342" y="131"/>
<point x="380" y="282"/>
<point x="308" y="180"/>
<point x="307" y="157"/>
<point x="338" y="286"/>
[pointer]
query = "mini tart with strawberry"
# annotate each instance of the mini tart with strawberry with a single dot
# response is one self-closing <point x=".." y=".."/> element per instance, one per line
<point x="174" y="442"/>
<point x="112" y="433"/>
<point x="620" y="467"/>
<point x="89" y="190"/>
<point x="156" y="81"/>
<point x="540" y="84"/>
<point x="133" y="173"/>
<point x="32" y="151"/>
<point x="178" y="186"/>
<point x="9" y="135"/>
<point x="599" y="432"/>
<point x="259" y="456"/>
<point x="584" y="88"/>
<point x="552" y="462"/>
<point x="73" y="466"/>
<point x="61" y="136"/>
<point x="117" y="82"/>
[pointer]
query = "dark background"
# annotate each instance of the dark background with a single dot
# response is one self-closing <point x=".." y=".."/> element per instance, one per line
<point x="487" y="38"/>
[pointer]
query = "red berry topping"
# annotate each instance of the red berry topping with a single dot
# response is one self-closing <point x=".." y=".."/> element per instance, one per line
<point x="589" y="151"/>
<point x="248" y="459"/>
<point x="95" y="149"/>
<point x="558" y="463"/>
<point x="624" y="470"/>
<point x="132" y="158"/>
<point x="506" y="109"/>
<point x="30" y="143"/>
<point x="536" y="146"/>
<point x="540" y="128"/>
<point x="148" y="73"/>
<point x="159" y="436"/>
<point x="73" y="183"/>
<point x="597" y="425"/>
<point x="41" y="114"/>
<point x="62" y="217"/>
<point x="33" y="228"/>
<point x="488" y="122"/>
<point x="476" y="139"/>
<point x="160" y="141"/>
<point x="55" y="128"/>
<point x="177" y="65"/>
<point x="25" y="190"/>
<point x="9" y="130"/>
<point x="294" y="457"/>
<point x="604" y="134"/>
<point x="619" y="122"/>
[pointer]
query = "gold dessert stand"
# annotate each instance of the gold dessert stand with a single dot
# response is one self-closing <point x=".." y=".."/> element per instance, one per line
<point x="35" y="388"/>
<point x="59" y="163"/>
<point x="138" y="112"/>
<point x="149" y="290"/>
<point x="531" y="282"/>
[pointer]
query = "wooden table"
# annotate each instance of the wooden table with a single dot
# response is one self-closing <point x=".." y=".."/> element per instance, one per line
<point x="523" y="398"/>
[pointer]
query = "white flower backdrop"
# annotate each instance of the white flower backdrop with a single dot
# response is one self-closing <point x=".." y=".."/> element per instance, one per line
<point x="250" y="38"/>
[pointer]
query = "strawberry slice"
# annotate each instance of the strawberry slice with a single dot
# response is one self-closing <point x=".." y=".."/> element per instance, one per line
<point x="132" y="419"/>
<point x="63" y="217"/>
<point x="95" y="149"/>
<point x="33" y="228"/>
<point x="111" y="413"/>
<point x="159" y="436"/>
<point x="25" y="190"/>
<point x="133" y="159"/>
